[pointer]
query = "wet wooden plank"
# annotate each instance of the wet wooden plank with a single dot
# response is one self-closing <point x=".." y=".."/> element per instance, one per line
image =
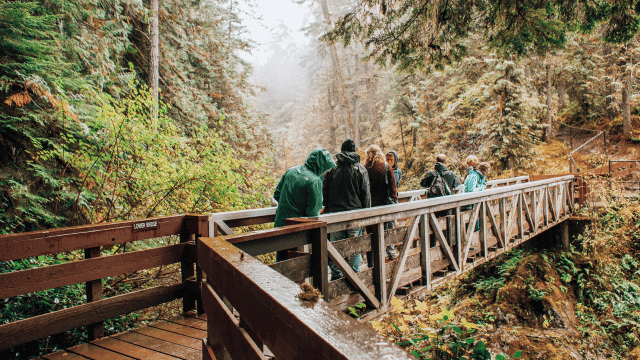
<point x="131" y="350"/>
<point x="75" y="272"/>
<point x="296" y="269"/>
<point x="64" y="355"/>
<point x="95" y="352"/>
<point x="267" y="300"/>
<point x="55" y="241"/>
<point x="22" y="331"/>
<point x="170" y="337"/>
<point x="189" y="321"/>
<point x="161" y="346"/>
<point x="180" y="329"/>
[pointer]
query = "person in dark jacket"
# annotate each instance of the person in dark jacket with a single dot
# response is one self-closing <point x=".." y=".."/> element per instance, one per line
<point x="450" y="179"/>
<point x="299" y="192"/>
<point x="440" y="168"/>
<point x="392" y="160"/>
<point x="346" y="187"/>
<point x="383" y="187"/>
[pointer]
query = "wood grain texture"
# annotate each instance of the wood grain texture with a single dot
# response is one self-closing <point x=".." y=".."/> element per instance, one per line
<point x="130" y="350"/>
<point x="235" y="339"/>
<point x="98" y="353"/>
<point x="55" y="241"/>
<point x="75" y="272"/>
<point x="22" y="331"/>
<point x="267" y="300"/>
<point x="161" y="346"/>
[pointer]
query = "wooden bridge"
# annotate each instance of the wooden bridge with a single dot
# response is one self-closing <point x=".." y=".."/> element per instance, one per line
<point x="249" y="310"/>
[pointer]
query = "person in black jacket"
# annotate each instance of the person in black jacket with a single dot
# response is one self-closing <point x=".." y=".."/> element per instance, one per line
<point x="451" y="180"/>
<point x="440" y="168"/>
<point x="346" y="187"/>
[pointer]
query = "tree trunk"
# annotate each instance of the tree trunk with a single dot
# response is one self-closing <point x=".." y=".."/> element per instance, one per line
<point x="549" y="131"/>
<point x="342" y="91"/>
<point x="332" y="141"/>
<point x="562" y="91"/>
<point x="154" y="58"/>
<point x="415" y="138"/>
<point x="611" y="89"/>
<point x="356" y="105"/>
<point x="626" y="106"/>
<point x="404" y="148"/>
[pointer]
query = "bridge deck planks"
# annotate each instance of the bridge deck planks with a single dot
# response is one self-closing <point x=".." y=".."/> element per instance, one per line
<point x="179" y="337"/>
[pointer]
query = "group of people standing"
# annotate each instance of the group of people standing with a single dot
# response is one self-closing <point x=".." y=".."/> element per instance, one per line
<point x="349" y="185"/>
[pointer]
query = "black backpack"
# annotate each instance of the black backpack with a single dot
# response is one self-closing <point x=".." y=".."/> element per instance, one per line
<point x="438" y="187"/>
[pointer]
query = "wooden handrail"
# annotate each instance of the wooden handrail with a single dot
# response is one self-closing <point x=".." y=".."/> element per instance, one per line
<point x="239" y="218"/>
<point x="92" y="269"/>
<point x="269" y="309"/>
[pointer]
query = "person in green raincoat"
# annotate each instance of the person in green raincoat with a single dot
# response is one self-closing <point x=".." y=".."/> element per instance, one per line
<point x="299" y="192"/>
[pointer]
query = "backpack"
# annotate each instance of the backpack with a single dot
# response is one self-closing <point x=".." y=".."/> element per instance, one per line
<point x="439" y="187"/>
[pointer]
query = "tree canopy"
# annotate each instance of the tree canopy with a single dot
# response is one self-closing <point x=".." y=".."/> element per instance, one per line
<point x="429" y="34"/>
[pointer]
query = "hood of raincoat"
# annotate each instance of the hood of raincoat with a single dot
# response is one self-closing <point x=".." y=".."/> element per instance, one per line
<point x="348" y="157"/>
<point x="441" y="168"/>
<point x="319" y="161"/>
<point x="395" y="154"/>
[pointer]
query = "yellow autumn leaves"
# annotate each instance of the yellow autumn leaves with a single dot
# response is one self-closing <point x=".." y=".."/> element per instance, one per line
<point x="416" y="324"/>
<point x="417" y="315"/>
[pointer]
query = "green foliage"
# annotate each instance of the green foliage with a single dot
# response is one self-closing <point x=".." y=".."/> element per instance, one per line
<point x="140" y="167"/>
<point x="357" y="309"/>
<point x="449" y="339"/>
<point x="416" y="35"/>
<point x="496" y="275"/>
<point x="79" y="146"/>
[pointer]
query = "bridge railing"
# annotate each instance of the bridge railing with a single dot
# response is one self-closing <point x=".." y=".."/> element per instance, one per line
<point x="224" y="223"/>
<point x="95" y="267"/>
<point x="442" y="238"/>
<point x="250" y="306"/>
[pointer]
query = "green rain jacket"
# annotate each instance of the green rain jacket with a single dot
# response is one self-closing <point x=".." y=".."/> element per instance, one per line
<point x="299" y="192"/>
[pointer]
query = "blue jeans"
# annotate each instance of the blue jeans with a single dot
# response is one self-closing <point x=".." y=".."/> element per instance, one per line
<point x="354" y="260"/>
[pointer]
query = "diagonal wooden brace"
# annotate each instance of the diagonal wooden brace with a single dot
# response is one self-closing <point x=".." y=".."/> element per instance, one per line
<point x="402" y="258"/>
<point x="494" y="226"/>
<point x="443" y="242"/>
<point x="351" y="276"/>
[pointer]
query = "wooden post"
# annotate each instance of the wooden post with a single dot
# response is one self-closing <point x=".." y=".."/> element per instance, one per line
<point x="534" y="209"/>
<point x="94" y="293"/>
<point x="451" y="229"/>
<point x="188" y="233"/>
<point x="203" y="230"/>
<point x="459" y="227"/>
<point x="320" y="260"/>
<point x="564" y="235"/>
<point x="520" y="217"/>
<point x="425" y="250"/>
<point x="545" y="205"/>
<point x="379" y="266"/>
<point x="503" y="219"/>
<point x="483" y="229"/>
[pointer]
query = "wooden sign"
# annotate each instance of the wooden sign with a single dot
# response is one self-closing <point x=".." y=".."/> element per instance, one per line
<point x="145" y="225"/>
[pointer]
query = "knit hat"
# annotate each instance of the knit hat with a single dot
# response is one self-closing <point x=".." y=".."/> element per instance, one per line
<point x="348" y="145"/>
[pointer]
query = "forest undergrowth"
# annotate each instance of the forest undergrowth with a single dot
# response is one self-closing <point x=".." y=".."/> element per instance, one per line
<point x="542" y="301"/>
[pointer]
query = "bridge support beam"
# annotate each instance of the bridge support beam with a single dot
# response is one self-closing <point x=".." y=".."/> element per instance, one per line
<point x="564" y="235"/>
